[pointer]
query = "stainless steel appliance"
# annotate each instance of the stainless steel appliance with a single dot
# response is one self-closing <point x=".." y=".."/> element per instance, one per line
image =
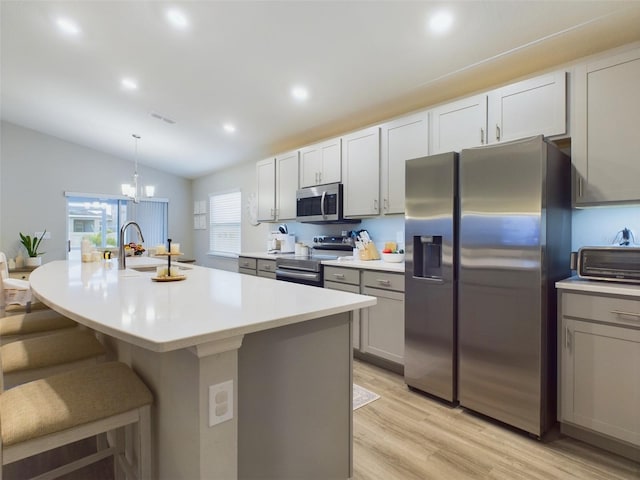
<point x="320" y="204"/>
<point x="614" y="264"/>
<point x="513" y="244"/>
<point x="431" y="225"/>
<point x="308" y="269"/>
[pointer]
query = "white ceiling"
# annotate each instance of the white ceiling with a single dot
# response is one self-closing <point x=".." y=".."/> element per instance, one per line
<point x="363" y="61"/>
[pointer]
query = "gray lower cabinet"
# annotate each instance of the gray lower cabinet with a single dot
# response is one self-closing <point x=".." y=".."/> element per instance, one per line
<point x="383" y="324"/>
<point x="599" y="381"/>
<point x="346" y="280"/>
<point x="247" y="265"/>
<point x="266" y="268"/>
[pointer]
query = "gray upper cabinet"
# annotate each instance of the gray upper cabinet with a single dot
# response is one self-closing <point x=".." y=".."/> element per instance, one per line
<point x="460" y="124"/>
<point x="361" y="172"/>
<point x="266" y="194"/>
<point x="400" y="140"/>
<point x="536" y="106"/>
<point x="606" y="140"/>
<point x="320" y="163"/>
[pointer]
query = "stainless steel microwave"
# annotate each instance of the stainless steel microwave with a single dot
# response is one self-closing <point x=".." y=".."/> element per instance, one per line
<point x="615" y="264"/>
<point x="319" y="204"/>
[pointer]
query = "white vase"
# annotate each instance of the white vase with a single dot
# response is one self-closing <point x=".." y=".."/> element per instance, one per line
<point x="33" y="261"/>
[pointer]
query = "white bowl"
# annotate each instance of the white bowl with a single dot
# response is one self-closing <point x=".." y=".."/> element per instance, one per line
<point x="393" y="257"/>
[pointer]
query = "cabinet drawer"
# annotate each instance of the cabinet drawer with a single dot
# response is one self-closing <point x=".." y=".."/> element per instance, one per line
<point x="387" y="281"/>
<point x="342" y="275"/>
<point x="247" y="271"/>
<point x="618" y="310"/>
<point x="246" y="262"/>
<point x="20" y="275"/>
<point x="267" y="265"/>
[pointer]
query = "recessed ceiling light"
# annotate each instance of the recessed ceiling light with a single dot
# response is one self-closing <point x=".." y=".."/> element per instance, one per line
<point x="177" y="18"/>
<point x="441" y="22"/>
<point x="229" y="128"/>
<point x="300" y="93"/>
<point x="129" y="84"/>
<point x="67" y="26"/>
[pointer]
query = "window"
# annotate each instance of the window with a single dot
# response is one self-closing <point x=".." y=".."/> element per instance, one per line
<point x="99" y="220"/>
<point x="225" y="222"/>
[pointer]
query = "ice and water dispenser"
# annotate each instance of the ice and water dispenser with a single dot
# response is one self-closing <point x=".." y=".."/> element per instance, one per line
<point x="427" y="256"/>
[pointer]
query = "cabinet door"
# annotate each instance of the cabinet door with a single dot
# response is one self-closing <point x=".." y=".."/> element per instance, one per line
<point x="536" y="106"/>
<point x="286" y="185"/>
<point x="400" y="140"/>
<point x="383" y="325"/>
<point x="600" y="378"/>
<point x="459" y="125"/>
<point x="310" y="165"/>
<point x="266" y="196"/>
<point x="355" y="315"/>
<point x="320" y="163"/>
<point x="361" y="172"/>
<point x="331" y="162"/>
<point x="605" y="141"/>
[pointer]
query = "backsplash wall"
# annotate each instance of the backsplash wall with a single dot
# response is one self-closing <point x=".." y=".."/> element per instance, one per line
<point x="599" y="226"/>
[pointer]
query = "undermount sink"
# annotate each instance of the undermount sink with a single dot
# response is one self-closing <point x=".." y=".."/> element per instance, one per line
<point x="152" y="268"/>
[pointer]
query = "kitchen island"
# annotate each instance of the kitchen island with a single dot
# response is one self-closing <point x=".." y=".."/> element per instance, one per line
<point x="251" y="376"/>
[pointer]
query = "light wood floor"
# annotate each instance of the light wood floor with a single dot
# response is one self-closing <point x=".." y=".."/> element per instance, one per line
<point x="405" y="435"/>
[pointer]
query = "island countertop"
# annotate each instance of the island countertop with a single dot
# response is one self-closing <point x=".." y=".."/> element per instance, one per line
<point x="164" y="316"/>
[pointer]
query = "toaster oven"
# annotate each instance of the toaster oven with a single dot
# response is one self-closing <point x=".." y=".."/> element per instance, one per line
<point x="614" y="264"/>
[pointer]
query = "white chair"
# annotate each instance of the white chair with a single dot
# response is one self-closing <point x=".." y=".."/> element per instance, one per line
<point x="14" y="291"/>
<point x="58" y="410"/>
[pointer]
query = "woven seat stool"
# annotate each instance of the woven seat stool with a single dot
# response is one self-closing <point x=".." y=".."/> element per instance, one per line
<point x="64" y="408"/>
<point x="29" y="325"/>
<point x="33" y="358"/>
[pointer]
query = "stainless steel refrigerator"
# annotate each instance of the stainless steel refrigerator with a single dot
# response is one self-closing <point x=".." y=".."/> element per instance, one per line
<point x="431" y="251"/>
<point x="514" y="236"/>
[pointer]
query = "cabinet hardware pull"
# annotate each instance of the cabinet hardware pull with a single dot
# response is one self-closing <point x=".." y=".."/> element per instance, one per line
<point x="319" y="177"/>
<point x="481" y="136"/>
<point x="385" y="205"/>
<point x="375" y="206"/>
<point x="384" y="282"/>
<point x="497" y="132"/>
<point x="338" y="275"/>
<point x="568" y="338"/>
<point x="630" y="314"/>
<point x="579" y="186"/>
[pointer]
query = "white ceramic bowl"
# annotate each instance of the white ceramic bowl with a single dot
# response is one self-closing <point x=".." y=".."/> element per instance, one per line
<point x="393" y="257"/>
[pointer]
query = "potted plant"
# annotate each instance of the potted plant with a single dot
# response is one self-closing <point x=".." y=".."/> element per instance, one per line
<point x="31" y="245"/>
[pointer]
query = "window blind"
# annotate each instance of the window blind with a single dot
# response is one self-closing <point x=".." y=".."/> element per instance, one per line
<point x="225" y="222"/>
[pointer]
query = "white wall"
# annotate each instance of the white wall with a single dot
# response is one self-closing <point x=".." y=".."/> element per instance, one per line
<point x="35" y="171"/>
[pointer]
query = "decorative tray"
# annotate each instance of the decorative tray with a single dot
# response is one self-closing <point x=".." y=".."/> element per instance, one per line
<point x="172" y="278"/>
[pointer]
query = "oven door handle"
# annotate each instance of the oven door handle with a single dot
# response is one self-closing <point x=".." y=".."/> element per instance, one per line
<point x="297" y="275"/>
<point x="322" y="200"/>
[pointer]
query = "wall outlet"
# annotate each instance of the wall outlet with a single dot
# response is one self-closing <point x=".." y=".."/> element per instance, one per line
<point x="47" y="236"/>
<point x="220" y="402"/>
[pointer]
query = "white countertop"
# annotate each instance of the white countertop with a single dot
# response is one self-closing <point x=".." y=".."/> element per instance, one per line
<point x="347" y="261"/>
<point x="599" y="286"/>
<point x="350" y="262"/>
<point x="162" y="316"/>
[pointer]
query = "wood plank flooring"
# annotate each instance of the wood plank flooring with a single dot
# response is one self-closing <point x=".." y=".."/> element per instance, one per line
<point x="406" y="435"/>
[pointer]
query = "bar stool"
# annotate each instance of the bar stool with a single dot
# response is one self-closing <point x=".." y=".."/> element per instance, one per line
<point x="39" y="357"/>
<point x="29" y="325"/>
<point x="58" y="410"/>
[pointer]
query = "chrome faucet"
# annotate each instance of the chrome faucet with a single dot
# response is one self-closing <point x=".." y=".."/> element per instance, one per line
<point x="122" y="264"/>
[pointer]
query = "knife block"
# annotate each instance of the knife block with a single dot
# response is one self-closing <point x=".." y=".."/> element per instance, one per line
<point x="369" y="252"/>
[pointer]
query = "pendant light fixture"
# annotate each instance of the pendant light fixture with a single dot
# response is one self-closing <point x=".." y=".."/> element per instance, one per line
<point x="131" y="190"/>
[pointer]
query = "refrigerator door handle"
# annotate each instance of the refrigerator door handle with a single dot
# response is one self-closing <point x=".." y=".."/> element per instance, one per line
<point x="429" y="279"/>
